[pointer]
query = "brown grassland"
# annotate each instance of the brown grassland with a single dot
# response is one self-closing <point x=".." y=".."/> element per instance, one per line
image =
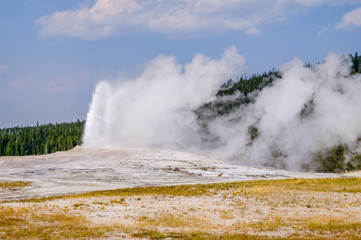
<point x="261" y="209"/>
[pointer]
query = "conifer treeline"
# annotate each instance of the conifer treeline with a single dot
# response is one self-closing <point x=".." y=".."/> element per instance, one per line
<point x="40" y="139"/>
<point x="246" y="85"/>
<point x="257" y="81"/>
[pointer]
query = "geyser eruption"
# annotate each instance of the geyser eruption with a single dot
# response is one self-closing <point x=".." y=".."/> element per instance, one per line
<point x="157" y="108"/>
<point x="286" y="125"/>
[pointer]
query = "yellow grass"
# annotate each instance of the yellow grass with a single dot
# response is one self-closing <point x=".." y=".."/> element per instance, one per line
<point x="30" y="223"/>
<point x="302" y="208"/>
<point x="347" y="185"/>
<point x="174" y="221"/>
<point x="14" y="184"/>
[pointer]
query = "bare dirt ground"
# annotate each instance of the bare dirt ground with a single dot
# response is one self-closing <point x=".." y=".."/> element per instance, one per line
<point x="83" y="170"/>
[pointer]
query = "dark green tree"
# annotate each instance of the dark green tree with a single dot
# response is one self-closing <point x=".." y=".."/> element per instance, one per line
<point x="40" y="139"/>
<point x="356" y="62"/>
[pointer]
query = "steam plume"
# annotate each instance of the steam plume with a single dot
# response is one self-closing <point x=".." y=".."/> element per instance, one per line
<point x="157" y="108"/>
<point x="301" y="113"/>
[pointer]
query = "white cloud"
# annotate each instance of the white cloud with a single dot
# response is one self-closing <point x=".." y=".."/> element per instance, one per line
<point x="352" y="18"/>
<point x="252" y="31"/>
<point x="322" y="31"/>
<point x="313" y="2"/>
<point x="87" y="23"/>
<point x="4" y="67"/>
<point x="310" y="3"/>
<point x="174" y="18"/>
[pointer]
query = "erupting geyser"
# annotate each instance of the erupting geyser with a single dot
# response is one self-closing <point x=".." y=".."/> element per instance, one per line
<point x="307" y="110"/>
<point x="157" y="108"/>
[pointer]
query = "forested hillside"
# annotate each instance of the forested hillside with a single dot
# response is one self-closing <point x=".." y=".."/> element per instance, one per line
<point x="233" y="94"/>
<point x="41" y="139"/>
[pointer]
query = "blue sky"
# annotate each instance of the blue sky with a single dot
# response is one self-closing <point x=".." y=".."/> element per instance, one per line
<point x="52" y="53"/>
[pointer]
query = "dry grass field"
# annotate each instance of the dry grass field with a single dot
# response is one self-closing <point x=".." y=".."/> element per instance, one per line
<point x="261" y="209"/>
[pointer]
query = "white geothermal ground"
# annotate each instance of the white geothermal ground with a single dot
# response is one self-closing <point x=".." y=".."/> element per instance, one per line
<point x="83" y="170"/>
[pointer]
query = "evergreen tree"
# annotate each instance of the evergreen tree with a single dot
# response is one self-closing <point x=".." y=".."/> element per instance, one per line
<point x="40" y="139"/>
<point x="356" y="63"/>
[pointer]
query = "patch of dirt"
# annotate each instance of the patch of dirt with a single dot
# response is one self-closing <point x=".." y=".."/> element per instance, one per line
<point x="84" y="170"/>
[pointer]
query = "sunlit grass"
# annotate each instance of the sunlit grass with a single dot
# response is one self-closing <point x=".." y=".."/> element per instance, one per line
<point x="199" y="236"/>
<point x="332" y="225"/>
<point x="174" y="221"/>
<point x="347" y="185"/>
<point x="29" y="223"/>
<point x="193" y="222"/>
<point x="14" y="184"/>
<point x="320" y="225"/>
<point x="327" y="185"/>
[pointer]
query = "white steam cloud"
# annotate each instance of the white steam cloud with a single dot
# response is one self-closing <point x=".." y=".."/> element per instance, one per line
<point x="305" y="111"/>
<point x="157" y="108"/>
